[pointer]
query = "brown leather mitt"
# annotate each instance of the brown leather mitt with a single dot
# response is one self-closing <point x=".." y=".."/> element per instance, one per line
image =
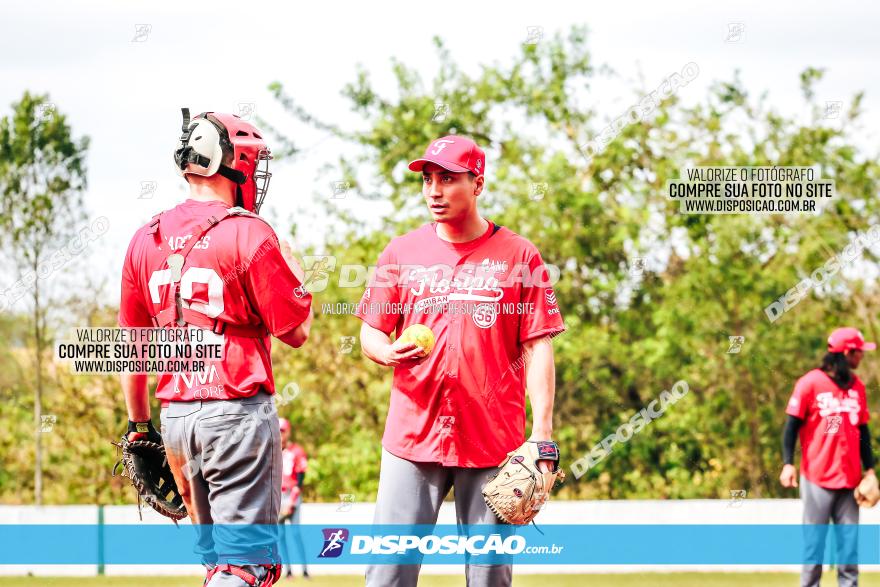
<point x="144" y="463"/>
<point x="518" y="491"/>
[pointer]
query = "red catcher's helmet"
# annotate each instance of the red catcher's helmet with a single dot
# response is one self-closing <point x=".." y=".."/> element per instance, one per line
<point x="200" y="148"/>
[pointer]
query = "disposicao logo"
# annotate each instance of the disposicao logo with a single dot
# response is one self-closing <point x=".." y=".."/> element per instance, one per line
<point x="334" y="541"/>
<point x="336" y="538"/>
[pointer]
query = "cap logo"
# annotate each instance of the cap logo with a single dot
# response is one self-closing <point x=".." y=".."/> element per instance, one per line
<point x="479" y="164"/>
<point x="440" y="145"/>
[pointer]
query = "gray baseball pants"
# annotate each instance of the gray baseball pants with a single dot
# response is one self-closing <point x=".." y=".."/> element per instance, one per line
<point x="821" y="506"/>
<point x="226" y="458"/>
<point x="411" y="493"/>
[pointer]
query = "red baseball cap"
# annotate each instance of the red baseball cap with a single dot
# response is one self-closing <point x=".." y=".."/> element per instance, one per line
<point x="455" y="153"/>
<point x="844" y="339"/>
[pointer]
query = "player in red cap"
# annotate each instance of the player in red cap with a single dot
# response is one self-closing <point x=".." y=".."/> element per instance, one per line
<point x="830" y="410"/>
<point x="213" y="263"/>
<point x="294" y="464"/>
<point x="455" y="413"/>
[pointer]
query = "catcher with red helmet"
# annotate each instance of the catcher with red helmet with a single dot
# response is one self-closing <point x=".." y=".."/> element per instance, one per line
<point x="213" y="263"/>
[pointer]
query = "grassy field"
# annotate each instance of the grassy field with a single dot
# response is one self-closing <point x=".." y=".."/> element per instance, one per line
<point x="624" y="580"/>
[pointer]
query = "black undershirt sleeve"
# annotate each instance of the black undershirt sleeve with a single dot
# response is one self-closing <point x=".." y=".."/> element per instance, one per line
<point x="789" y="438"/>
<point x="865" y="449"/>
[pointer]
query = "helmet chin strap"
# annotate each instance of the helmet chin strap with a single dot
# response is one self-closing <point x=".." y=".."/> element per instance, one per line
<point x="185" y="126"/>
<point x="232" y="175"/>
<point x="185" y="155"/>
<point x="238" y="178"/>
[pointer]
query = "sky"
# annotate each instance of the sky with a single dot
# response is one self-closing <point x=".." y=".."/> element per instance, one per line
<point x="122" y="71"/>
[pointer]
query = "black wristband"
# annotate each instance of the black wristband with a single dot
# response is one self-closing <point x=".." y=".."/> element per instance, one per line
<point x="141" y="427"/>
<point x="146" y="428"/>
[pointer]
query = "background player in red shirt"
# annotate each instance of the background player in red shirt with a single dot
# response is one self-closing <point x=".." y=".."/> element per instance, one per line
<point x="455" y="414"/>
<point x="206" y="264"/>
<point x="293" y="470"/>
<point x="830" y="410"/>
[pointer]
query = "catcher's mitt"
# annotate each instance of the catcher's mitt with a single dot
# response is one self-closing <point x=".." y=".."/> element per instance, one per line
<point x="867" y="494"/>
<point x="144" y="463"/>
<point x="518" y="491"/>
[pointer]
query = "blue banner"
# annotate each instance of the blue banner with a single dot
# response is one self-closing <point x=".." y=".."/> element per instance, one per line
<point x="442" y="544"/>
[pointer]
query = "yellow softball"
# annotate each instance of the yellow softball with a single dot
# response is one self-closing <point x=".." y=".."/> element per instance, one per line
<point x="419" y="334"/>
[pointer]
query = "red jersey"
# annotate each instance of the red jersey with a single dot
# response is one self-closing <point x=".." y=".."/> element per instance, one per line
<point x="235" y="273"/>
<point x="830" y="433"/>
<point x="293" y="462"/>
<point x="465" y="405"/>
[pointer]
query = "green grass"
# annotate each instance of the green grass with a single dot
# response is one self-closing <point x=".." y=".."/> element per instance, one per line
<point x="623" y="580"/>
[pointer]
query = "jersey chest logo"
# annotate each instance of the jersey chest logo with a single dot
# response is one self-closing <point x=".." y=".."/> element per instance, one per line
<point x="476" y="283"/>
<point x="829" y="405"/>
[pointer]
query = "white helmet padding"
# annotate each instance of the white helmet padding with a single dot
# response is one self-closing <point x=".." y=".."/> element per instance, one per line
<point x="202" y="154"/>
<point x="200" y="148"/>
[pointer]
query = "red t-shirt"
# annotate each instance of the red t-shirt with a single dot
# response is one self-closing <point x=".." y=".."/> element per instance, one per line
<point x="830" y="433"/>
<point x="237" y="275"/>
<point x="293" y="462"/>
<point x="465" y="405"/>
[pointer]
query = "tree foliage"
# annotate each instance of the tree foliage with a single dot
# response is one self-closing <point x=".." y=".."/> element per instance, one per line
<point x="634" y="328"/>
<point x="42" y="178"/>
<point x="629" y="336"/>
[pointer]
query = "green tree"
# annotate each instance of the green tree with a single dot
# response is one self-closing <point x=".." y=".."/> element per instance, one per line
<point x="629" y="336"/>
<point x="42" y="179"/>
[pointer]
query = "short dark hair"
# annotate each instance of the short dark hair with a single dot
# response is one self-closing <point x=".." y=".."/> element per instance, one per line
<point x="228" y="155"/>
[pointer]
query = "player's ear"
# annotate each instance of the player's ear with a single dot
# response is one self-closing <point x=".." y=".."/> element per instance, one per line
<point x="478" y="184"/>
